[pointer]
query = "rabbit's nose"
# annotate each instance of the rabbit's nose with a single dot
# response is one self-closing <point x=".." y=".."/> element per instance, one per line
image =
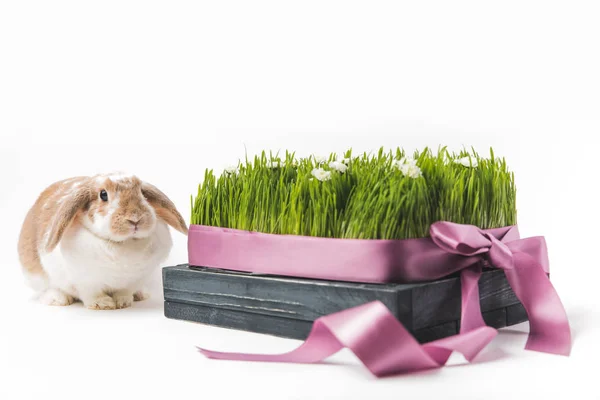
<point x="134" y="220"/>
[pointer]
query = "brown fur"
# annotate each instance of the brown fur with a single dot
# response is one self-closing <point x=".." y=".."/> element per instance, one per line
<point x="74" y="203"/>
<point x="60" y="205"/>
<point x="38" y="221"/>
<point x="164" y="207"/>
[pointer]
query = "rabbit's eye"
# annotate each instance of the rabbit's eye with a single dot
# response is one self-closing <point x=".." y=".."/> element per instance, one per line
<point x="103" y="195"/>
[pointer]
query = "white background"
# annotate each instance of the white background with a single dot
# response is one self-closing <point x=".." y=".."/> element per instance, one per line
<point x="167" y="89"/>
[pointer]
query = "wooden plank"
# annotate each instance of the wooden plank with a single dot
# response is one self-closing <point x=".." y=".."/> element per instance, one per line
<point x="240" y="320"/>
<point x="294" y="329"/>
<point x="436" y="332"/>
<point x="495" y="318"/>
<point x="439" y="301"/>
<point x="436" y="303"/>
<point x="303" y="299"/>
<point x="516" y="314"/>
<point x="268" y="324"/>
<point x="495" y="291"/>
<point x="286" y="307"/>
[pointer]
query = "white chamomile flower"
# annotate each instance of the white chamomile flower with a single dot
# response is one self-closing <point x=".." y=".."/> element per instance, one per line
<point x="231" y="169"/>
<point x="467" y="162"/>
<point x="412" y="171"/>
<point x="401" y="163"/>
<point x="273" y="164"/>
<point x="346" y="161"/>
<point x="338" y="166"/>
<point x="321" y="174"/>
<point x="319" y="159"/>
<point x="408" y="167"/>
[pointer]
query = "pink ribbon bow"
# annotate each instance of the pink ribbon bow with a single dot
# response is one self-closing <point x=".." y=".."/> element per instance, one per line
<point x="385" y="347"/>
<point x="524" y="262"/>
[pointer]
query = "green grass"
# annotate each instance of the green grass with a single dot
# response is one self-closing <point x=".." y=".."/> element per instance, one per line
<point x="372" y="199"/>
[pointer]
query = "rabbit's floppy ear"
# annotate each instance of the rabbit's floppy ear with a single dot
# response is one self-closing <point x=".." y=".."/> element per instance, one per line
<point x="164" y="207"/>
<point x="65" y="214"/>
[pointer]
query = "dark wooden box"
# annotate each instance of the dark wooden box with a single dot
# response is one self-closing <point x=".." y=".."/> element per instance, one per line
<point x="287" y="307"/>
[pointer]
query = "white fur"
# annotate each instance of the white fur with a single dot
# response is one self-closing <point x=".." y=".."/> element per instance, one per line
<point x="37" y="282"/>
<point x="118" y="176"/>
<point x="58" y="201"/>
<point x="101" y="223"/>
<point x="56" y="297"/>
<point x="104" y="274"/>
<point x="114" y="176"/>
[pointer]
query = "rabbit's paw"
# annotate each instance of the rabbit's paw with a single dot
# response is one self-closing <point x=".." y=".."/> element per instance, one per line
<point x="141" y="295"/>
<point x="123" y="300"/>
<point x="56" y="297"/>
<point x="102" y="302"/>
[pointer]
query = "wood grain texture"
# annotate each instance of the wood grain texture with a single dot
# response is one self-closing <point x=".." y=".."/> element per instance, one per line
<point x="240" y="320"/>
<point x="267" y="324"/>
<point x="438" y="302"/>
<point x="515" y="314"/>
<point x="286" y="307"/>
<point x="302" y="299"/>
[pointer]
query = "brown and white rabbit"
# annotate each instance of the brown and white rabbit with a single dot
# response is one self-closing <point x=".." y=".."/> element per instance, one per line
<point x="97" y="239"/>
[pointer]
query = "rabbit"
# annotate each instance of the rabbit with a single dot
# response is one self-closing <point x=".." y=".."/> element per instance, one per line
<point x="97" y="240"/>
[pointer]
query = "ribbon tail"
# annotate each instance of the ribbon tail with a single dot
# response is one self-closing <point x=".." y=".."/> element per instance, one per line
<point x="470" y="317"/>
<point x="319" y="345"/>
<point x="470" y="344"/>
<point x="377" y="338"/>
<point x="548" y="322"/>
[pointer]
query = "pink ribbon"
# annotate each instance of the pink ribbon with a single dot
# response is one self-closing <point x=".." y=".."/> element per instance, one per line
<point x="524" y="262"/>
<point x="385" y="347"/>
<point x="376" y="337"/>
